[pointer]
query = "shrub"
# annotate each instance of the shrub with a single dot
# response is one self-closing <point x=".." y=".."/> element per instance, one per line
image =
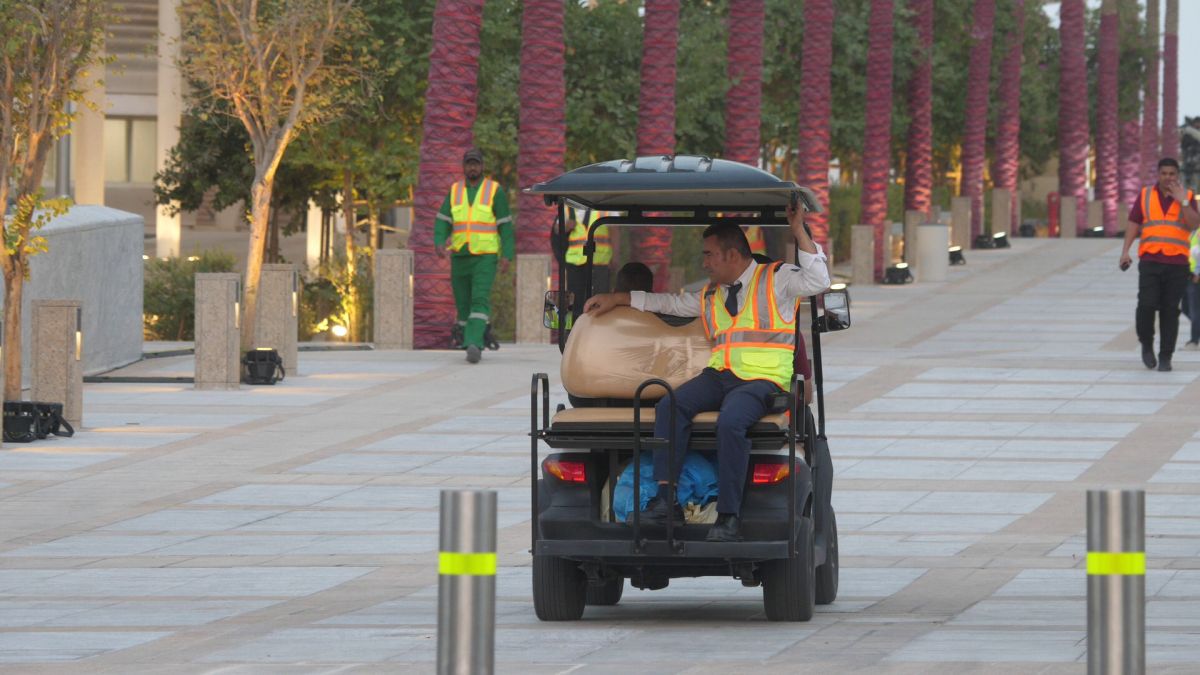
<point x="169" y="293"/>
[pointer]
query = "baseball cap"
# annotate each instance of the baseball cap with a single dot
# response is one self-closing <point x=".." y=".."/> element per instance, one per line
<point x="473" y="154"/>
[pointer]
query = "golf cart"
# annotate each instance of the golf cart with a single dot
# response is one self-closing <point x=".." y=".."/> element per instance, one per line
<point x="617" y="365"/>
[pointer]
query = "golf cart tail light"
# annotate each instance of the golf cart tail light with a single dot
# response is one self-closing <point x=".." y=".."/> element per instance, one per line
<point x="769" y="474"/>
<point x="568" y="472"/>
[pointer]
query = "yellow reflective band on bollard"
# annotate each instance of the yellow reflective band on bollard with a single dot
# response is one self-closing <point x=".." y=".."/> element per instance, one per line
<point x="1117" y="564"/>
<point x="467" y="564"/>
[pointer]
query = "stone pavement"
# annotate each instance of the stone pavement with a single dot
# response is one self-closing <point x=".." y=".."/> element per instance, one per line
<point x="293" y="529"/>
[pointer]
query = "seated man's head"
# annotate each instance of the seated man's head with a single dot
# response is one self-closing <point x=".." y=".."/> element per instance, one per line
<point x="634" y="276"/>
<point x="726" y="252"/>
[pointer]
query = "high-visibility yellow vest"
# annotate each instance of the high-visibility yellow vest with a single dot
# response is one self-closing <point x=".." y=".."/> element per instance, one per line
<point x="578" y="237"/>
<point x="1195" y="252"/>
<point x="474" y="223"/>
<point x="754" y="235"/>
<point x="1163" y="233"/>
<point x="757" y="344"/>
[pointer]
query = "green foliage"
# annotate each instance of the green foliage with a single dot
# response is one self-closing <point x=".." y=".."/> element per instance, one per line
<point x="337" y="296"/>
<point x="702" y="78"/>
<point x="169" y="295"/>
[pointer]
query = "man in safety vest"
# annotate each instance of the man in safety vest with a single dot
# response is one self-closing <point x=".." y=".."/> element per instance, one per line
<point x="576" y="257"/>
<point x="1191" y="300"/>
<point x="749" y="312"/>
<point x="475" y="226"/>
<point x="1163" y="218"/>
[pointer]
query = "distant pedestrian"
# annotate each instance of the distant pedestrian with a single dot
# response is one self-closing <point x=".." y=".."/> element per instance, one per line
<point x="1163" y="218"/>
<point x="578" y="224"/>
<point x="476" y="221"/>
<point x="1191" y="300"/>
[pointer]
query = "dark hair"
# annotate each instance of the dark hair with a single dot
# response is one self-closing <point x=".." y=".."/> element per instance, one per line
<point x="634" y="276"/>
<point x="1168" y="161"/>
<point x="729" y="236"/>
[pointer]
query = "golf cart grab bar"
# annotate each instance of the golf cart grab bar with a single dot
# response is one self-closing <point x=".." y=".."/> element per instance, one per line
<point x="676" y="546"/>
<point x="798" y="408"/>
<point x="534" y="434"/>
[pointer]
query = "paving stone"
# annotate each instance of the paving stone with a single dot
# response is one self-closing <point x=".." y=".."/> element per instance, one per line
<point x="995" y="646"/>
<point x="18" y="460"/>
<point x="47" y="646"/>
<point x="275" y="495"/>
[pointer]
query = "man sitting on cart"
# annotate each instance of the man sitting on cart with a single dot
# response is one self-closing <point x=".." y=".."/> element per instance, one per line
<point x="749" y="313"/>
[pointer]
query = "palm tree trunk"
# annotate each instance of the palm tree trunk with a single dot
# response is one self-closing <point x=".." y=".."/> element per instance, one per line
<point x="541" y="136"/>
<point x="1129" y="85"/>
<point x="656" y="121"/>
<point x="877" y="132"/>
<point x="813" y="146"/>
<point x="975" y="123"/>
<point x="1170" y="81"/>
<point x="1106" y="114"/>
<point x="14" y="293"/>
<point x="743" y="101"/>
<point x="918" y="163"/>
<point x="450" y="102"/>
<point x="1072" y="110"/>
<point x="1007" y="159"/>
<point x="1151" y="137"/>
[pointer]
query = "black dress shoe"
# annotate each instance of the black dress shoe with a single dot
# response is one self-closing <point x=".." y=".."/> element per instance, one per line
<point x="725" y="529"/>
<point x="657" y="512"/>
<point x="1148" y="357"/>
<point x="1164" y="363"/>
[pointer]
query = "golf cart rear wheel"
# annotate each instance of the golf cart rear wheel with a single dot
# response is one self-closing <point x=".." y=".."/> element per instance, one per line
<point x="827" y="574"/>
<point x="609" y="593"/>
<point x="559" y="588"/>
<point x="789" y="585"/>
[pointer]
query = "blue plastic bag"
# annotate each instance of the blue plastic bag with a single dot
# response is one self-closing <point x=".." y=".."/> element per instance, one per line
<point x="697" y="484"/>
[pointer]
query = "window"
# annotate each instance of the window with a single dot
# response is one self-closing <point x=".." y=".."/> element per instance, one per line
<point x="129" y="150"/>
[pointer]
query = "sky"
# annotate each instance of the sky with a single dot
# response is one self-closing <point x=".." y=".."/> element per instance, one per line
<point x="1189" y="59"/>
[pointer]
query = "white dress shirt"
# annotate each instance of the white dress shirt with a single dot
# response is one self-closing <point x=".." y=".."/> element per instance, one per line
<point x="810" y="277"/>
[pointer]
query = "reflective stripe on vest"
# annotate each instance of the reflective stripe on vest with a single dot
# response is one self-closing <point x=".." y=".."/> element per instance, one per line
<point x="578" y="237"/>
<point x="474" y="223"/>
<point x="1161" y="232"/>
<point x="754" y="235"/>
<point x="1195" y="251"/>
<point x="757" y="344"/>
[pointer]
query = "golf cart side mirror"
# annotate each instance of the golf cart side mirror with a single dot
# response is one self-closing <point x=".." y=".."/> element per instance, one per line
<point x="837" y="309"/>
<point x="550" y="310"/>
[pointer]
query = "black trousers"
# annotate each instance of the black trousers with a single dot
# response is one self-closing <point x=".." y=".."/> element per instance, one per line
<point x="1160" y="290"/>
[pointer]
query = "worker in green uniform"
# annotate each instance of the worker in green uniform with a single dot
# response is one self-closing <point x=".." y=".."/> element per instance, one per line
<point x="475" y="226"/>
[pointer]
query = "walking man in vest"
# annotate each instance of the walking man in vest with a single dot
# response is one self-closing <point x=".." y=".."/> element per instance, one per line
<point x="476" y="220"/>
<point x="749" y="313"/>
<point x="1163" y="217"/>
<point x="576" y="258"/>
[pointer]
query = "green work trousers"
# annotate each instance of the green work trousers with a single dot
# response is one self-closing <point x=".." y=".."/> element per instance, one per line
<point x="471" y="277"/>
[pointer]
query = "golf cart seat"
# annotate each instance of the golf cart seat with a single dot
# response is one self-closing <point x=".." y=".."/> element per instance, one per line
<point x="608" y="356"/>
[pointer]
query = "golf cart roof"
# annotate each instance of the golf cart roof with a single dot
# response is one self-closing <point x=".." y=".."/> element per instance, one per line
<point x="667" y="182"/>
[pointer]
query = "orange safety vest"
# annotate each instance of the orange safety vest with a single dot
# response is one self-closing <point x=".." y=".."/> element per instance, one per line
<point x="754" y="235"/>
<point x="1163" y="233"/>
<point x="474" y="224"/>
<point x="757" y="344"/>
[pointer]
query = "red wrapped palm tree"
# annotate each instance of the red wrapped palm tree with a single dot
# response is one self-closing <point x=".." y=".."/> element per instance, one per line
<point x="1007" y="159"/>
<point x="877" y="131"/>
<point x="743" y="102"/>
<point x="1072" y="110"/>
<point x="975" y="123"/>
<point x="541" y="137"/>
<point x="1170" y="81"/>
<point x="918" y="168"/>
<point x="1106" y="115"/>
<point x="1151" y="138"/>
<point x="656" y="121"/>
<point x="815" y="66"/>
<point x="450" y="101"/>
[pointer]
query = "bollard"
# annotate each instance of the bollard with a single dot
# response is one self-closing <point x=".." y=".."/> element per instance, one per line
<point x="467" y="582"/>
<point x="56" y="373"/>
<point x="533" y="279"/>
<point x="277" y="325"/>
<point x="1116" y="581"/>
<point x="218" y="325"/>
<point x="960" y="221"/>
<point x="912" y="224"/>
<point x="862" y="254"/>
<point x="393" y="299"/>
<point x="931" y="252"/>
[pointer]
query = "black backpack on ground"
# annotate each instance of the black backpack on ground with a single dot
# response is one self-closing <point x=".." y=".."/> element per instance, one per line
<point x="262" y="366"/>
<point x="26" y="421"/>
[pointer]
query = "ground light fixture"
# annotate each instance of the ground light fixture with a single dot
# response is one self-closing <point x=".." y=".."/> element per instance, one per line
<point x="956" y="256"/>
<point x="1097" y="231"/>
<point x="984" y="241"/>
<point x="897" y="274"/>
<point x="1000" y="240"/>
<point x="338" y="331"/>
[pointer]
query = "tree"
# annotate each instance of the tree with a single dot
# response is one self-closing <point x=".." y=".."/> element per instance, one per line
<point x="1106" y="115"/>
<point x="1006" y="162"/>
<point x="1170" y="81"/>
<point x="816" y="65"/>
<point x="48" y="49"/>
<point x="918" y="165"/>
<point x="1129" y="168"/>
<point x="656" y="121"/>
<point x="449" y="116"/>
<point x="743" y="102"/>
<point x="975" y="124"/>
<point x="1150" y="132"/>
<point x="877" y="136"/>
<point x="1072" y="110"/>
<point x="542" y="131"/>
<point x="272" y="61"/>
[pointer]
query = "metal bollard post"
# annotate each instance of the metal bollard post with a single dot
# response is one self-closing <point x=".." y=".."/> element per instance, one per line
<point x="467" y="583"/>
<point x="1116" y="574"/>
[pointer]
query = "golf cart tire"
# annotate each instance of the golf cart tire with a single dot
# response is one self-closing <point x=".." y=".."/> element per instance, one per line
<point x="789" y="585"/>
<point x="559" y="589"/>
<point x="607" y="594"/>
<point x="827" y="574"/>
